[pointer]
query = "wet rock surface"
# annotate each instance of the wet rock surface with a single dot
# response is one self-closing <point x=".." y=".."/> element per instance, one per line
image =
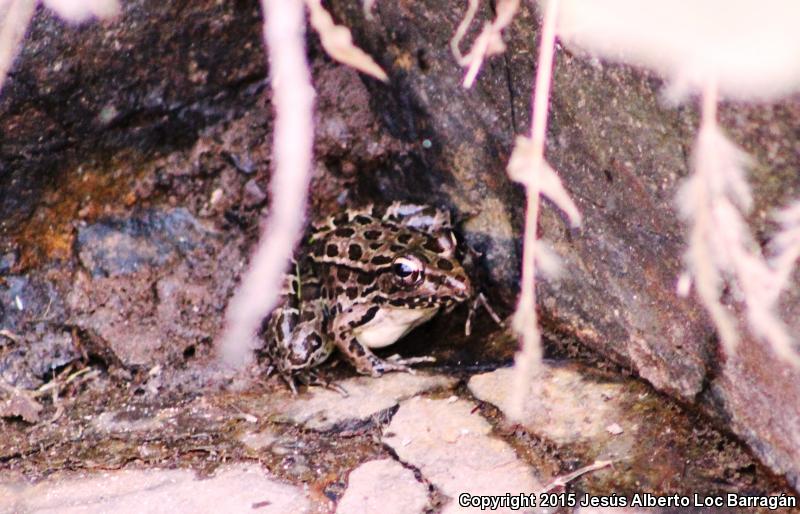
<point x="134" y="169"/>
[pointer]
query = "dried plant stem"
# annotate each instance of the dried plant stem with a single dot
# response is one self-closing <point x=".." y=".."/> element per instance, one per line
<point x="706" y="275"/>
<point x="489" y="41"/>
<point x="721" y="248"/>
<point x="525" y="320"/>
<point x="16" y="15"/>
<point x="563" y="480"/>
<point x="293" y="98"/>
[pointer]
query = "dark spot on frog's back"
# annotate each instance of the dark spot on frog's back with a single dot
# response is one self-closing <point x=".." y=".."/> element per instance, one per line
<point x="352" y="293"/>
<point x="354" y="252"/>
<point x="343" y="274"/>
<point x="319" y="248"/>
<point x="444" y="264"/>
<point x="332" y="250"/>
<point x="344" y="232"/>
<point x="372" y="235"/>
<point x="433" y="245"/>
<point x="396" y="248"/>
<point x="363" y="220"/>
<point x="365" y="279"/>
<point x="315" y="341"/>
<point x="404" y="238"/>
<point x="380" y="260"/>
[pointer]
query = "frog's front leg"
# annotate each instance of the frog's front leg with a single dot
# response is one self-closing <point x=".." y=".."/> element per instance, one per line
<point x="360" y="356"/>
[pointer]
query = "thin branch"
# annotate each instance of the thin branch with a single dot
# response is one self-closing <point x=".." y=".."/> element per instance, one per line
<point x="563" y="480"/>
<point x="461" y="31"/>
<point x="488" y="42"/>
<point x="293" y="98"/>
<point x="338" y="42"/>
<point x="525" y="320"/>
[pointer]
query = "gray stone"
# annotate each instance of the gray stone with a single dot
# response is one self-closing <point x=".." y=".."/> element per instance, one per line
<point x="124" y="246"/>
<point x="240" y="488"/>
<point x="452" y="447"/>
<point x="324" y="409"/>
<point x="567" y="408"/>
<point x="383" y="486"/>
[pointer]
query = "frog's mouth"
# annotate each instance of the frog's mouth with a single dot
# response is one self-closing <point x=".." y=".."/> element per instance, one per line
<point x="390" y="324"/>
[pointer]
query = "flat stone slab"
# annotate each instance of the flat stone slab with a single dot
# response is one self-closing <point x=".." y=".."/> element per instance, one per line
<point x="383" y="486"/>
<point x="240" y="488"/>
<point x="452" y="447"/>
<point x="324" y="409"/>
<point x="564" y="406"/>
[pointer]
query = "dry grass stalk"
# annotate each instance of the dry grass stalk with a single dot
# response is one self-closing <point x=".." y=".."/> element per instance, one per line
<point x="527" y="166"/>
<point x="338" y="42"/>
<point x="563" y="480"/>
<point x="293" y="98"/>
<point x="722" y="250"/>
<point x="77" y="11"/>
<point x="489" y="41"/>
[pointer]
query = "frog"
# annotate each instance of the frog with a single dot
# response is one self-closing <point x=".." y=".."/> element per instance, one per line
<point x="365" y="279"/>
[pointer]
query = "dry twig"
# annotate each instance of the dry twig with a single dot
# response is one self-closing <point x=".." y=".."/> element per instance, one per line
<point x="338" y="42"/>
<point x="527" y="165"/>
<point x="293" y="99"/>
<point x="722" y="250"/>
<point x="489" y="41"/>
<point x="563" y="480"/>
<point x="16" y="15"/>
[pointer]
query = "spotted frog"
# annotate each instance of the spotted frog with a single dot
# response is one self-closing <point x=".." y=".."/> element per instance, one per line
<point x="366" y="278"/>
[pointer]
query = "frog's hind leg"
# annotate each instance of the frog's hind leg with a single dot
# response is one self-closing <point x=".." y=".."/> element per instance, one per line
<point x="296" y="331"/>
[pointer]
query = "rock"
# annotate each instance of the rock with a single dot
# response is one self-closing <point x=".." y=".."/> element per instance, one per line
<point x="565" y="407"/>
<point x="118" y="247"/>
<point x="323" y="409"/>
<point x="253" y="194"/>
<point x="256" y="441"/>
<point x="383" y="486"/>
<point x="622" y="154"/>
<point x="452" y="447"/>
<point x="157" y="283"/>
<point x="593" y="417"/>
<point x="35" y="358"/>
<point x="22" y="405"/>
<point x="239" y="488"/>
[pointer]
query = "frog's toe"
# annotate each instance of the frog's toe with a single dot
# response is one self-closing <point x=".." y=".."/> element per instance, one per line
<point x="291" y="381"/>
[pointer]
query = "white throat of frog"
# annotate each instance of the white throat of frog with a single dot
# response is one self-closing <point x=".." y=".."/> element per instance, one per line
<point x="390" y="324"/>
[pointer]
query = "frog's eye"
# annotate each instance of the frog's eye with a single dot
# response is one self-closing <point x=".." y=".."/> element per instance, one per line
<point x="408" y="270"/>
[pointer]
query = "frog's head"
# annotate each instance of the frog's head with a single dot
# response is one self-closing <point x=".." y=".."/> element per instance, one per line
<point x="427" y="273"/>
